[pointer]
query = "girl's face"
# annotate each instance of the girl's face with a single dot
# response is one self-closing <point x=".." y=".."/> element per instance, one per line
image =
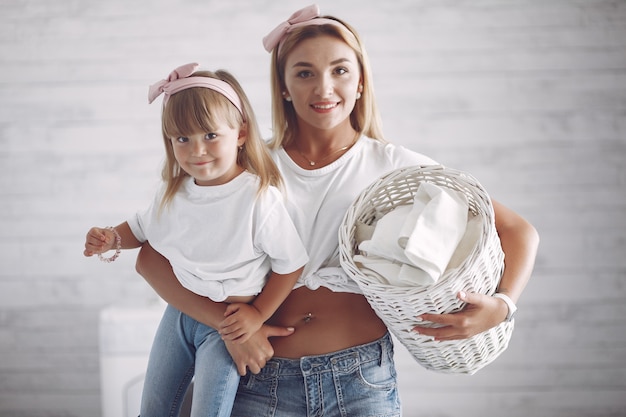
<point x="322" y="78"/>
<point x="210" y="157"/>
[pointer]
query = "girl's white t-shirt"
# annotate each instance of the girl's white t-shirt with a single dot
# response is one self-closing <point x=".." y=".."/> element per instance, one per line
<point x="318" y="199"/>
<point x="223" y="240"/>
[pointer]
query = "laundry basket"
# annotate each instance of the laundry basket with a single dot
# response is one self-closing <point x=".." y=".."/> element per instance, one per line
<point x="397" y="306"/>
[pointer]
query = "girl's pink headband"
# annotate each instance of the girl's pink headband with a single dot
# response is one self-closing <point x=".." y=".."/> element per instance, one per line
<point x="181" y="79"/>
<point x="309" y="15"/>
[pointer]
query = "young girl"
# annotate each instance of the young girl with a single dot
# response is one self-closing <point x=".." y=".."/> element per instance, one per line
<point x="221" y="223"/>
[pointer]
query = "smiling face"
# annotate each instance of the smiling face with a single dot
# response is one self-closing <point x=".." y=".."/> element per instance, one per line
<point x="322" y="79"/>
<point x="210" y="158"/>
<point x="202" y="132"/>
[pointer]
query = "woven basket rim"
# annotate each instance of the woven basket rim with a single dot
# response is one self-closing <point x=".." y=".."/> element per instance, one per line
<point x="364" y="198"/>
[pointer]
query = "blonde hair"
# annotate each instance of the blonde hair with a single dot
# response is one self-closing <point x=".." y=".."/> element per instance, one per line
<point x="364" y="118"/>
<point x="198" y="109"/>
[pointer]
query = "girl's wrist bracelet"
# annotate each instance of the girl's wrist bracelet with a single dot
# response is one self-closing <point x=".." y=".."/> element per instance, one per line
<point x="118" y="247"/>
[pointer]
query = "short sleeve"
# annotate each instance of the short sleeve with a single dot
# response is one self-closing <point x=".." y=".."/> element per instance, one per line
<point x="276" y="234"/>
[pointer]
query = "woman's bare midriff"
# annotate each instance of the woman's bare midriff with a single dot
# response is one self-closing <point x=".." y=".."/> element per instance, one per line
<point x="324" y="322"/>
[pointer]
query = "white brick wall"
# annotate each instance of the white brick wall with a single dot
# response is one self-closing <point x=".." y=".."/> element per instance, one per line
<point x="529" y="96"/>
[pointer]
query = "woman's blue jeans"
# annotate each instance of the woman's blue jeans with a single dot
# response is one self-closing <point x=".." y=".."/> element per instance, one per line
<point x="355" y="382"/>
<point x="184" y="349"/>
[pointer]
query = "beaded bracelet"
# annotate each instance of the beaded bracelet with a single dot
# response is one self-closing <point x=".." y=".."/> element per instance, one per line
<point x="118" y="247"/>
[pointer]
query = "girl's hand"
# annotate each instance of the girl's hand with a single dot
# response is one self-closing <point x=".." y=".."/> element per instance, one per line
<point x="481" y="313"/>
<point x="98" y="240"/>
<point x="255" y="353"/>
<point x="242" y="320"/>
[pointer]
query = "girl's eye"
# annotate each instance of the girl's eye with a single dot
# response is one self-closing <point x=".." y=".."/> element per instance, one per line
<point x="210" y="136"/>
<point x="182" y="139"/>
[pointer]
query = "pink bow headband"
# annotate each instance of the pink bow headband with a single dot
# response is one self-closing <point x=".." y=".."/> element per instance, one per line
<point x="181" y="79"/>
<point x="309" y="15"/>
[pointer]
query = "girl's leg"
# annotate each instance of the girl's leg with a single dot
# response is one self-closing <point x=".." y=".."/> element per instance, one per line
<point x="216" y="377"/>
<point x="170" y="367"/>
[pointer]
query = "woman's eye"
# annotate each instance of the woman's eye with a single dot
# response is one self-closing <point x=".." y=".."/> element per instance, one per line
<point x="341" y="70"/>
<point x="304" y="74"/>
<point x="210" y="136"/>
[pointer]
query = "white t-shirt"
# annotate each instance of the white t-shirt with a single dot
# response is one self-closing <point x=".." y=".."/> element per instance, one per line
<point x="318" y="199"/>
<point x="222" y="240"/>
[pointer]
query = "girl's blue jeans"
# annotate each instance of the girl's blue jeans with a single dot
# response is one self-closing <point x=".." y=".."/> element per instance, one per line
<point x="355" y="382"/>
<point x="184" y="349"/>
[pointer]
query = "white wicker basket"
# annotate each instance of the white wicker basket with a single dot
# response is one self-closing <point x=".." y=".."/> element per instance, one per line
<point x="397" y="306"/>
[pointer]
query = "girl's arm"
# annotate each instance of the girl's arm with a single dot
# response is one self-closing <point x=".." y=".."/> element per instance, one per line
<point x="100" y="240"/>
<point x="519" y="240"/>
<point x="244" y="319"/>
<point x="157" y="271"/>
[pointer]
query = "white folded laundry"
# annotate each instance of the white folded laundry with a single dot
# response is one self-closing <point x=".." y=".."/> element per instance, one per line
<point x="393" y="273"/>
<point x="468" y="242"/>
<point x="440" y="215"/>
<point x="410" y="276"/>
<point x="413" y="244"/>
<point x="363" y="232"/>
<point x="383" y="269"/>
<point x="384" y="241"/>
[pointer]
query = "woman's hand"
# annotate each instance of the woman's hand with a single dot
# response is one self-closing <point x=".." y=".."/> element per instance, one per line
<point x="481" y="313"/>
<point x="257" y="350"/>
<point x="519" y="241"/>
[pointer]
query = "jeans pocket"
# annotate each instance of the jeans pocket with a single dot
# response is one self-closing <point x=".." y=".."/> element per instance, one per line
<point x="375" y="376"/>
<point x="256" y="396"/>
<point x="369" y="391"/>
<point x="371" y="374"/>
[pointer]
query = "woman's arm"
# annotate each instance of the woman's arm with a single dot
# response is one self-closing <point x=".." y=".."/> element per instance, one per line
<point x="519" y="240"/>
<point x="157" y="271"/>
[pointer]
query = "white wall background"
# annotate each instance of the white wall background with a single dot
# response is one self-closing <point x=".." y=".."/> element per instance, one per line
<point x="529" y="96"/>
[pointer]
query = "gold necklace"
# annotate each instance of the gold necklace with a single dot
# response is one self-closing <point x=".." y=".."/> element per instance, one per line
<point x="313" y="163"/>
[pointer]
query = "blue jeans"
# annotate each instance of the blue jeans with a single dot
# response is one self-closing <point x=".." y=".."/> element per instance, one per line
<point x="355" y="382"/>
<point x="181" y="349"/>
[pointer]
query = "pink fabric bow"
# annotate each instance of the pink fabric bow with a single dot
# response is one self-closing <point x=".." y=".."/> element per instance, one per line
<point x="303" y="15"/>
<point x="184" y="71"/>
<point x="181" y="79"/>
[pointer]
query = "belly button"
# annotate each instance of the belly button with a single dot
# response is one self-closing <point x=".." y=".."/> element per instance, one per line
<point x="308" y="317"/>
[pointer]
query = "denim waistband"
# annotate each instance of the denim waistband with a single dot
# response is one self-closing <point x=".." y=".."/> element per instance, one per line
<point x="341" y="361"/>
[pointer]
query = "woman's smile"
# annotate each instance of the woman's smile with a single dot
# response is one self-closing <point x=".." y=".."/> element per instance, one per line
<point x="325" y="106"/>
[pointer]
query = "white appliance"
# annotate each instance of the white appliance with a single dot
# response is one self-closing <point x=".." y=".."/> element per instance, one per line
<point x="126" y="335"/>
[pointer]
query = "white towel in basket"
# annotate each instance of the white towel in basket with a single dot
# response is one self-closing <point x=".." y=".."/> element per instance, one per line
<point x="434" y="228"/>
<point x="413" y="244"/>
<point x="393" y="273"/>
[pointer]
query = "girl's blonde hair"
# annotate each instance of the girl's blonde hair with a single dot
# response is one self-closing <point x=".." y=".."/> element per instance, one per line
<point x="199" y="109"/>
<point x="364" y="118"/>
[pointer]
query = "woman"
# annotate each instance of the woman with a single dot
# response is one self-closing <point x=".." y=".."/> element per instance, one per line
<point x="336" y="355"/>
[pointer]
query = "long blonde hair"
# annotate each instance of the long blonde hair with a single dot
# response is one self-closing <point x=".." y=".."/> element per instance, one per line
<point x="364" y="118"/>
<point x="198" y="109"/>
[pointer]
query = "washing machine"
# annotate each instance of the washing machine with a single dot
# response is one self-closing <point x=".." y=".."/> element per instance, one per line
<point x="126" y="334"/>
